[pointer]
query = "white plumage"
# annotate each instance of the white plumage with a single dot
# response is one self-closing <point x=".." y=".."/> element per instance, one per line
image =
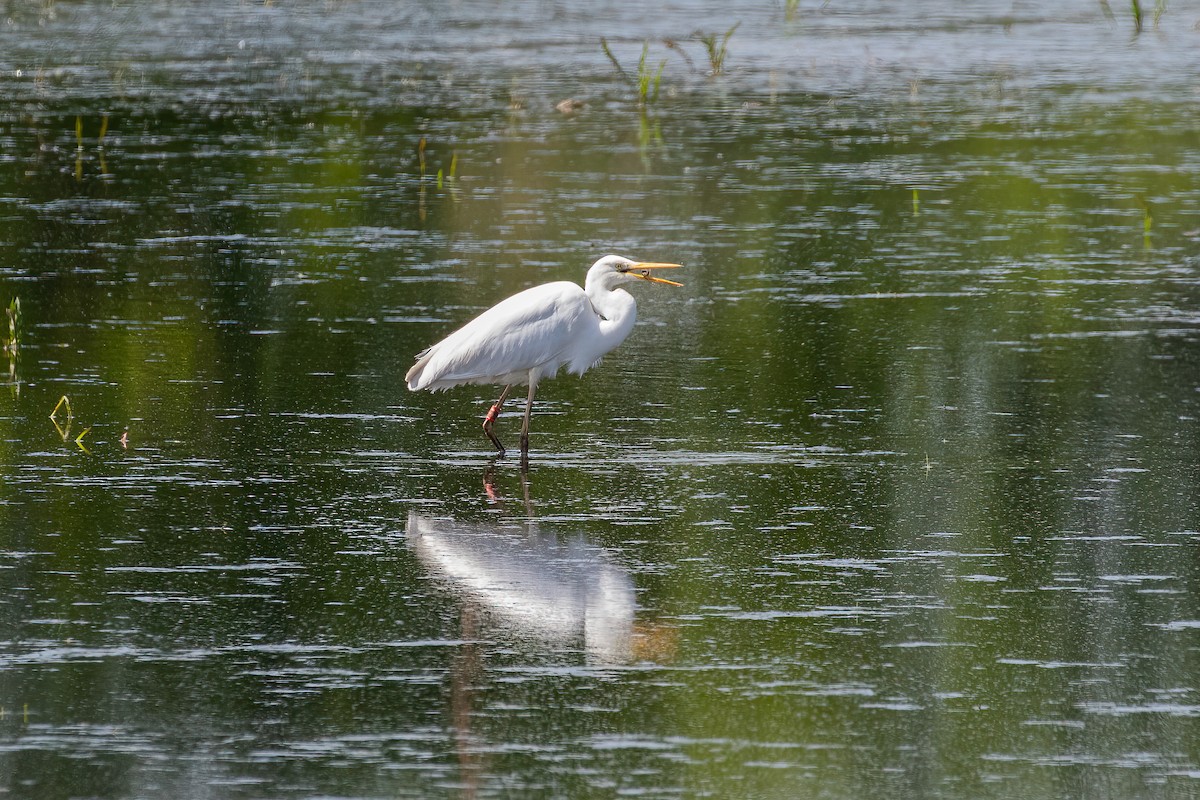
<point x="534" y="333"/>
<point x="560" y="590"/>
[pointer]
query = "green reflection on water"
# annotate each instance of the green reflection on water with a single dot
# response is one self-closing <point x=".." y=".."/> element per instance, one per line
<point x="907" y="499"/>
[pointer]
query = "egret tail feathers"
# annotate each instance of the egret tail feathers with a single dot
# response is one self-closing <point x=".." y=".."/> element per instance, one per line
<point x="414" y="374"/>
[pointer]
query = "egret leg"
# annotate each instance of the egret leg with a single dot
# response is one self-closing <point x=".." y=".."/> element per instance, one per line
<point x="490" y="419"/>
<point x="525" y="424"/>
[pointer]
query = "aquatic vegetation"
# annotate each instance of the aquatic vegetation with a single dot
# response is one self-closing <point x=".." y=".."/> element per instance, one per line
<point x="62" y="401"/>
<point x="1147" y="219"/>
<point x="616" y="64"/>
<point x="1160" y="7"/>
<point x="448" y="178"/>
<point x="443" y="178"/>
<point x="671" y="44"/>
<point x="78" y="148"/>
<point x="99" y="146"/>
<point x="646" y="83"/>
<point x="64" y="427"/>
<point x="13" y="343"/>
<point x="1159" y="10"/>
<point x="24" y="713"/>
<point x="717" y="52"/>
<point x="649" y="80"/>
<point x="649" y="137"/>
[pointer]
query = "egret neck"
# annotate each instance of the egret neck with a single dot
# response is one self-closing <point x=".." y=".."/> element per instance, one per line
<point x="615" y="307"/>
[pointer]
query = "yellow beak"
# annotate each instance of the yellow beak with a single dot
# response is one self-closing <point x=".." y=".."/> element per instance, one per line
<point x="642" y="270"/>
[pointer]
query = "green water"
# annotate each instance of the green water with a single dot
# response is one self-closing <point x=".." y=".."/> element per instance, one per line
<point x="897" y="496"/>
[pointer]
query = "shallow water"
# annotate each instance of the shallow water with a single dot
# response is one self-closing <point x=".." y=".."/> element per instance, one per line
<point x="897" y="495"/>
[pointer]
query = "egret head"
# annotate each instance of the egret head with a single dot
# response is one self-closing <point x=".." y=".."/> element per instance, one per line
<point x="611" y="271"/>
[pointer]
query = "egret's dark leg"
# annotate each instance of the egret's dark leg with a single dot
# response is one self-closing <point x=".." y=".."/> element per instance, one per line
<point x="525" y="425"/>
<point x="490" y="419"/>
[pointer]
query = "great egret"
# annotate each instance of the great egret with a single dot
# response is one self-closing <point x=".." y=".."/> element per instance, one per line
<point x="534" y="333"/>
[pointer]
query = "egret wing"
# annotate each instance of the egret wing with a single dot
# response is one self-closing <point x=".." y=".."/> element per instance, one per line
<point x="533" y="329"/>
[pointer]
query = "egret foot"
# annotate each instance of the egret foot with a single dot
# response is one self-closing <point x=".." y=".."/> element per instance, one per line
<point x="488" y="422"/>
<point x="490" y="419"/>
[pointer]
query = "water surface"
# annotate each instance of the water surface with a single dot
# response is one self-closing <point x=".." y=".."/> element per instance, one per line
<point x="896" y="496"/>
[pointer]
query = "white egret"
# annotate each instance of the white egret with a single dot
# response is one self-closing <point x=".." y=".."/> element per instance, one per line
<point x="534" y="333"/>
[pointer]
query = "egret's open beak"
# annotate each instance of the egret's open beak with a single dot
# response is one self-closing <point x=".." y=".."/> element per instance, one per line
<point x="642" y="270"/>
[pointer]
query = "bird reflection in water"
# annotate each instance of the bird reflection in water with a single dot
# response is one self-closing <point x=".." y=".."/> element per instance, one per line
<point x="551" y="591"/>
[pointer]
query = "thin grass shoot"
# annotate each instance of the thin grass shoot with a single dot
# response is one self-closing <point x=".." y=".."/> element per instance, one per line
<point x="613" y="59"/>
<point x="13" y="312"/>
<point x="648" y="82"/>
<point x="62" y="401"/>
<point x="717" y="52"/>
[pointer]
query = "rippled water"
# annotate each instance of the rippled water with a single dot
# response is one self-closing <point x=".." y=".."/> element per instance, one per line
<point x="897" y="495"/>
